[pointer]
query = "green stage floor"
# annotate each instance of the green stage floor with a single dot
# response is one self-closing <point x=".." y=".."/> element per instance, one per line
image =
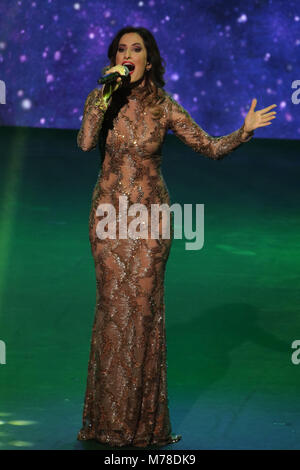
<point x="232" y="308"/>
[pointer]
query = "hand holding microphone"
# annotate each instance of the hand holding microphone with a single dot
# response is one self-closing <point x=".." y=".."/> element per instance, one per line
<point x="112" y="79"/>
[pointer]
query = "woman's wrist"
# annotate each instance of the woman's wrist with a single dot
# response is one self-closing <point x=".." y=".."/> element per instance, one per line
<point x="246" y="134"/>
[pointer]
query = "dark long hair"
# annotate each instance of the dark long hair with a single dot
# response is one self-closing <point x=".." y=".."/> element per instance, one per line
<point x="154" y="78"/>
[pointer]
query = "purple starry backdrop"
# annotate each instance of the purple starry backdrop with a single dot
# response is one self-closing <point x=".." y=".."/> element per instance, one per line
<point x="219" y="55"/>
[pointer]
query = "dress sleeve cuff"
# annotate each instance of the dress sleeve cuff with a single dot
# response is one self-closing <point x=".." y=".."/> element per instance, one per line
<point x="101" y="103"/>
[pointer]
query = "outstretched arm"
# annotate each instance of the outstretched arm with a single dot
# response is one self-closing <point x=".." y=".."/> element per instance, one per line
<point x="184" y="127"/>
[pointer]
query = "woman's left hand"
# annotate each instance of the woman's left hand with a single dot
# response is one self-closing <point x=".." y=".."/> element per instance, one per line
<point x="261" y="118"/>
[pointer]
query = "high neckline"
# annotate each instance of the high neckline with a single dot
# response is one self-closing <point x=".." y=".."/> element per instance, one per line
<point x="134" y="90"/>
<point x="137" y="89"/>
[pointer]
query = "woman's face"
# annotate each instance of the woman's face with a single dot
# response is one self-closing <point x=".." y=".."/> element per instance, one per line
<point x="132" y="48"/>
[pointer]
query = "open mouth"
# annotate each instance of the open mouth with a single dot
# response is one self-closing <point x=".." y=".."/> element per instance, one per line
<point x="130" y="66"/>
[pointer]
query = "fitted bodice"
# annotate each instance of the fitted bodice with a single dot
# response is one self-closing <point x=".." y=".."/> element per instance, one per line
<point x="133" y="146"/>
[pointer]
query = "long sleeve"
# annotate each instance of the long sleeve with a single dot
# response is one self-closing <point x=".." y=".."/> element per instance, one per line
<point x="184" y="127"/>
<point x="94" y="110"/>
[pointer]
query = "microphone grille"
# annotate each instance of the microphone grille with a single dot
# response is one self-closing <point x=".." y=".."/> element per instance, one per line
<point x="126" y="70"/>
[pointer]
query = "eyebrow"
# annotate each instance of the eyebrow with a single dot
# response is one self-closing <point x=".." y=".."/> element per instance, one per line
<point x="132" y="44"/>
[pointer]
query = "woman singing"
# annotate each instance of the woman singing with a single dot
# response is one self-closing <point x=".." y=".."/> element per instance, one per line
<point x="126" y="400"/>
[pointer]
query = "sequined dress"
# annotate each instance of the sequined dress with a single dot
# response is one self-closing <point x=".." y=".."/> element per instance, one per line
<point x="126" y="399"/>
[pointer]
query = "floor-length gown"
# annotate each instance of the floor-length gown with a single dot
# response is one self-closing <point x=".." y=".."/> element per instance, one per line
<point x="126" y="399"/>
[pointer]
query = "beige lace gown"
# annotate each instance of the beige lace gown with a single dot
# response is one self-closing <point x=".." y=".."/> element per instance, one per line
<point x="126" y="399"/>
